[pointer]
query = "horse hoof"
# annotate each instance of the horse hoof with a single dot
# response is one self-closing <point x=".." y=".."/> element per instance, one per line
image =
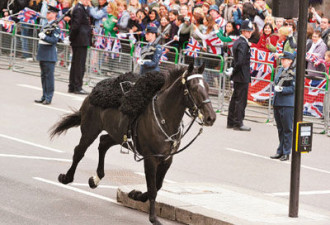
<point x="91" y="183"/>
<point x="134" y="195"/>
<point x="63" y="179"/>
<point x="156" y="222"/>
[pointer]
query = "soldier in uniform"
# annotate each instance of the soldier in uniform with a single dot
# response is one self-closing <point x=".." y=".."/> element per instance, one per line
<point x="47" y="57"/>
<point x="283" y="103"/>
<point x="151" y="53"/>
<point x="241" y="78"/>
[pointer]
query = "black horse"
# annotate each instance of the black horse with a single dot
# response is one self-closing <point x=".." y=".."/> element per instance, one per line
<point x="14" y="5"/>
<point x="156" y="141"/>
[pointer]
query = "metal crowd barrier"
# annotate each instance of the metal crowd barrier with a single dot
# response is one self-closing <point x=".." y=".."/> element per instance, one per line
<point x="18" y="51"/>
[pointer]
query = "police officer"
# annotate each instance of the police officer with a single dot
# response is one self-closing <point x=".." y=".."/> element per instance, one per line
<point x="283" y="103"/>
<point x="241" y="78"/>
<point x="151" y="53"/>
<point x="47" y="56"/>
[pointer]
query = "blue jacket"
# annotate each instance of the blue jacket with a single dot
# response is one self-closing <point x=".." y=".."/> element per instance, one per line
<point x="47" y="47"/>
<point x="153" y="65"/>
<point x="286" y="97"/>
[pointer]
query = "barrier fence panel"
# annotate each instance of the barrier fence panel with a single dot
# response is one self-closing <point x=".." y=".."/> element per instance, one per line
<point x="6" y="49"/>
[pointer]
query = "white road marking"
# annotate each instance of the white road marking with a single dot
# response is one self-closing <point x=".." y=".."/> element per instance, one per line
<point x="264" y="157"/>
<point x="168" y="181"/>
<point x="51" y="107"/>
<point x="34" y="157"/>
<point x="77" y="190"/>
<point x="100" y="186"/>
<point x="30" y="143"/>
<point x="301" y="193"/>
<point x="56" y="92"/>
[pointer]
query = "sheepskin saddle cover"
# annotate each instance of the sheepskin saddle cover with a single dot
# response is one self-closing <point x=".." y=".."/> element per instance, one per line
<point x="108" y="93"/>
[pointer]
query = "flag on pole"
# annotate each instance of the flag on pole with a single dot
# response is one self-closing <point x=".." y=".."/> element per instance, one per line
<point x="115" y="49"/>
<point x="214" y="44"/>
<point x="8" y="25"/>
<point x="193" y="47"/>
<point x="314" y="93"/>
<point x="164" y="56"/>
<point x="28" y="15"/>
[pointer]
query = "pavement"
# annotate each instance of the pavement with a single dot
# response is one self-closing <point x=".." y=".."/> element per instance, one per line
<point x="217" y="204"/>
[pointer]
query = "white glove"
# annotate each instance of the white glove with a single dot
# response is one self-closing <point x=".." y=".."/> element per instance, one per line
<point x="42" y="35"/>
<point x="140" y="62"/>
<point x="278" y="88"/>
<point x="66" y="41"/>
<point x="229" y="71"/>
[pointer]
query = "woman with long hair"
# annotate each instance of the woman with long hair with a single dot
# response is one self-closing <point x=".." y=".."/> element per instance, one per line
<point x="164" y="29"/>
<point x="154" y="17"/>
<point x="266" y="37"/>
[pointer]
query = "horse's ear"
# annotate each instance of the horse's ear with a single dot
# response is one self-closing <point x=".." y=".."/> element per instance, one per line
<point x="201" y="68"/>
<point x="190" y="68"/>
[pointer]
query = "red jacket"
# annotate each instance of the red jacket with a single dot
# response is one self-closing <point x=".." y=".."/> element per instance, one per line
<point x="262" y="44"/>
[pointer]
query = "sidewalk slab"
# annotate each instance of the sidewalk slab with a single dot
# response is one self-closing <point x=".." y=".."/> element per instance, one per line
<point x="213" y="204"/>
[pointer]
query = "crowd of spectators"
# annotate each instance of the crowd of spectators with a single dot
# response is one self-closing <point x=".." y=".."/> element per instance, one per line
<point x="180" y="20"/>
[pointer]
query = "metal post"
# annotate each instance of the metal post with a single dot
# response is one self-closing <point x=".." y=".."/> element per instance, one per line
<point x="299" y="103"/>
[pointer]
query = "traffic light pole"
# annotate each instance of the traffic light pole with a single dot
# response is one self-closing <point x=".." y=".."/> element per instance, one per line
<point x="299" y="103"/>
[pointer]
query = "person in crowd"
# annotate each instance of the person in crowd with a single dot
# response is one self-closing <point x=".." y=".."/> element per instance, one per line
<point x="241" y="78"/>
<point x="267" y="36"/>
<point x="133" y="24"/>
<point x="152" y="4"/>
<point x="229" y="6"/>
<point x="154" y="17"/>
<point x="173" y="15"/>
<point x="279" y="22"/>
<point x="278" y="49"/>
<point x="98" y="13"/>
<point x="123" y="16"/>
<point x="164" y="29"/>
<point x="317" y="48"/>
<point x="231" y="34"/>
<point x="80" y="38"/>
<point x="151" y="61"/>
<point x="110" y="22"/>
<point x="325" y="29"/>
<point x="214" y="12"/>
<point x="142" y="20"/>
<point x="290" y="23"/>
<point x="205" y="8"/>
<point x="47" y="57"/>
<point x="325" y="62"/>
<point x="283" y="103"/>
<point x="183" y="34"/>
<point x="255" y="34"/>
<point x="184" y="10"/>
<point x="133" y="5"/>
<point x="163" y="11"/>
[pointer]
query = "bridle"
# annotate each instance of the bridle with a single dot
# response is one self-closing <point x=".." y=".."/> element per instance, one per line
<point x="194" y="109"/>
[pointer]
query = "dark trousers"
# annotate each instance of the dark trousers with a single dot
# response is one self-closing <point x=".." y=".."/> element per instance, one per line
<point x="47" y="80"/>
<point x="284" y="122"/>
<point x="237" y="105"/>
<point x="77" y="70"/>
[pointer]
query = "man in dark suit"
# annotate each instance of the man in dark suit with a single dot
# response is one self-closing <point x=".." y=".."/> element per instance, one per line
<point x="47" y="55"/>
<point x="80" y="38"/>
<point x="241" y="78"/>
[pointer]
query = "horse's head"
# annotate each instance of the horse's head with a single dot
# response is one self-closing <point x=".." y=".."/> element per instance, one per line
<point x="197" y="97"/>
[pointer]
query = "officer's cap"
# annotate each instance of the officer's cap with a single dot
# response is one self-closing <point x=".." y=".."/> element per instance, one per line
<point x="152" y="28"/>
<point x="288" y="55"/>
<point x="247" y="25"/>
<point x="53" y="9"/>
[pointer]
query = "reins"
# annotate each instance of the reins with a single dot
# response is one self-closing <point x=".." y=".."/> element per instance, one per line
<point x="195" y="112"/>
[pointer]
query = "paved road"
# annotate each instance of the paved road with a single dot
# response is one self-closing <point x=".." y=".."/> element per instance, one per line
<point x="30" y="163"/>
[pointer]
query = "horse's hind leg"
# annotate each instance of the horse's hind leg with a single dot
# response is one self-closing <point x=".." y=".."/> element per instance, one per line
<point x="87" y="138"/>
<point x="105" y="143"/>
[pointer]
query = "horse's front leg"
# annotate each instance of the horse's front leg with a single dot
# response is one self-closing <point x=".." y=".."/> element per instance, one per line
<point x="105" y="143"/>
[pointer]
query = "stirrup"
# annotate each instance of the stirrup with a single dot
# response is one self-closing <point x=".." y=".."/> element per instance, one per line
<point x="125" y="141"/>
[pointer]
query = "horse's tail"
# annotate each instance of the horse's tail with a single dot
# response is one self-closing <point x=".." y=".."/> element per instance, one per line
<point x="71" y="120"/>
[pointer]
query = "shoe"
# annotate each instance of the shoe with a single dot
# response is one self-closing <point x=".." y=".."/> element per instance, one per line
<point x="242" y="128"/>
<point x="70" y="91"/>
<point x="276" y="156"/>
<point x="29" y="59"/>
<point x="46" y="103"/>
<point x="230" y="126"/>
<point x="39" y="101"/>
<point x="285" y="158"/>
<point x="81" y="92"/>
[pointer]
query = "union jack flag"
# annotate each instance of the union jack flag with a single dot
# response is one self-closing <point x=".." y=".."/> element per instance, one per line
<point x="100" y="42"/>
<point x="193" y="47"/>
<point x="115" y="49"/>
<point x="314" y="93"/>
<point x="28" y="15"/>
<point x="311" y="57"/>
<point x="215" y="44"/>
<point x="221" y="22"/>
<point x="260" y="87"/>
<point x="108" y="44"/>
<point x="164" y="56"/>
<point x="279" y="46"/>
<point x="8" y="25"/>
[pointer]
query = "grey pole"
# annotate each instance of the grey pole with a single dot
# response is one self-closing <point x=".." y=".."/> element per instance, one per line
<point x="299" y="103"/>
